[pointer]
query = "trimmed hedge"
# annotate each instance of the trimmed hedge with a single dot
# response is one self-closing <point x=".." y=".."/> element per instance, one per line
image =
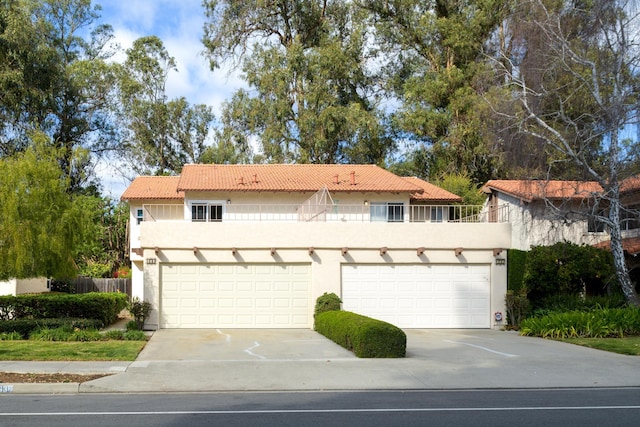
<point x="26" y="326"/>
<point x="327" y="302"/>
<point x="365" y="336"/>
<point x="95" y="305"/>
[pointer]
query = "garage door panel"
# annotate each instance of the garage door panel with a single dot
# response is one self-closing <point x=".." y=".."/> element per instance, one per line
<point x="419" y="295"/>
<point x="242" y="295"/>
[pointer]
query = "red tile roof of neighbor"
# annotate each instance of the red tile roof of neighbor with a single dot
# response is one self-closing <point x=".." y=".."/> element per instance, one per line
<point x="293" y="178"/>
<point x="432" y="192"/>
<point x="630" y="184"/>
<point x="154" y="187"/>
<point x="630" y="245"/>
<point x="530" y="190"/>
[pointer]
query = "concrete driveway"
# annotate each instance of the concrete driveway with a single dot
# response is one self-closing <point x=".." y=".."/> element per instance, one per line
<point x="258" y="359"/>
<point x="240" y="345"/>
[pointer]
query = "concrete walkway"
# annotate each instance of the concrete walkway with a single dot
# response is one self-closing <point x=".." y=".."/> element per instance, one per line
<point x="261" y="360"/>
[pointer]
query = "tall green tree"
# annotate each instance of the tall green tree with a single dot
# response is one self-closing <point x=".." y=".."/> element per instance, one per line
<point x="55" y="78"/>
<point x="311" y="98"/>
<point x="40" y="225"/>
<point x="582" y="99"/>
<point x="433" y="64"/>
<point x="162" y="134"/>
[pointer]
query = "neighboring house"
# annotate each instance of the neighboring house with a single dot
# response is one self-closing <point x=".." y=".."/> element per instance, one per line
<point x="254" y="246"/>
<point x="24" y="286"/>
<point x="542" y="212"/>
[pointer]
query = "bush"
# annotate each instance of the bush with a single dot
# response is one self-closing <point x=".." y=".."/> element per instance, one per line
<point x="114" y="334"/>
<point x="607" y="322"/>
<point x="96" y="305"/>
<point x="564" y="303"/>
<point x="515" y="269"/>
<point x="567" y="269"/>
<point x="365" y="336"/>
<point x="85" y="335"/>
<point x="327" y="302"/>
<point x="10" y="336"/>
<point x="140" y="311"/>
<point x="132" y="325"/>
<point x="61" y="333"/>
<point x="25" y="327"/>
<point x="517" y="307"/>
<point x="134" y="336"/>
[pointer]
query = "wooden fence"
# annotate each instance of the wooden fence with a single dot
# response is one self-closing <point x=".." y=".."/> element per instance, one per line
<point x="86" y="284"/>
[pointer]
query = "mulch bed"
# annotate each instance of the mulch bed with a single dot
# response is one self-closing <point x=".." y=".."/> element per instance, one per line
<point x="14" y="378"/>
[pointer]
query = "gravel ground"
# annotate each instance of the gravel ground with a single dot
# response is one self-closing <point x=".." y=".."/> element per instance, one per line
<point x="13" y="378"/>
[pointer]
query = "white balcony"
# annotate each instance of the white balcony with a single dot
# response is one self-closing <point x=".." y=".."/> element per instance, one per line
<point x="325" y="213"/>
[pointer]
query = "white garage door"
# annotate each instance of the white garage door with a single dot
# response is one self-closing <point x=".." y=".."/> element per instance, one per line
<point x="235" y="296"/>
<point x="419" y="296"/>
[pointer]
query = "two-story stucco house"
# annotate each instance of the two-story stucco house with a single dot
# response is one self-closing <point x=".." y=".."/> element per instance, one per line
<point x="542" y="212"/>
<point x="254" y="246"/>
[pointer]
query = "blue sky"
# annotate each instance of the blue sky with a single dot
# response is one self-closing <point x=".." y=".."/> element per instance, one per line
<point x="178" y="23"/>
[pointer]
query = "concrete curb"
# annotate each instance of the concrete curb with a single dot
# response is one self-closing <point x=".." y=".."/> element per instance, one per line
<point x="40" y="388"/>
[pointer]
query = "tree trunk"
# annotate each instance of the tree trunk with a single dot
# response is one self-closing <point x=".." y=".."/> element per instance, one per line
<point x="622" y="273"/>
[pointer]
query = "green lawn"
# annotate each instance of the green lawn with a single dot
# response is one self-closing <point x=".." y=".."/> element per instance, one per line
<point x="627" y="345"/>
<point x="62" y="351"/>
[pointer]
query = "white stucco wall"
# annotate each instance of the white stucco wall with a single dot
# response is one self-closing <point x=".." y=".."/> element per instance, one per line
<point x="24" y="286"/>
<point x="8" y="287"/>
<point x="253" y="243"/>
<point x="534" y="224"/>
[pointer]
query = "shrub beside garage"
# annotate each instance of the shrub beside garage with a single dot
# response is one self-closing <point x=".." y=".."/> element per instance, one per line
<point x="365" y="336"/>
<point x="24" y="313"/>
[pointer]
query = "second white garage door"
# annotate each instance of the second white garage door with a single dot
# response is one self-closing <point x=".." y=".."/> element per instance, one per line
<point x="420" y="296"/>
<point x="235" y="296"/>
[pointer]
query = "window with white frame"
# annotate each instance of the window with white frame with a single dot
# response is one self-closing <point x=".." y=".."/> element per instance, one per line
<point x="139" y="215"/>
<point x="206" y="212"/>
<point x="386" y="212"/>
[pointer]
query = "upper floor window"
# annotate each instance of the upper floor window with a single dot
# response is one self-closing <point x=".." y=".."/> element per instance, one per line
<point x="139" y="216"/>
<point x="206" y="212"/>
<point x="630" y="218"/>
<point x="387" y="212"/>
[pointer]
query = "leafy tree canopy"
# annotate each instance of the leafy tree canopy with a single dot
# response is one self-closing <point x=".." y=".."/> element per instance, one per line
<point x="40" y="224"/>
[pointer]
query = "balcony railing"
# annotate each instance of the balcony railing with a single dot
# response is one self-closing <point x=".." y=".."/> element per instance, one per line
<point x="331" y="213"/>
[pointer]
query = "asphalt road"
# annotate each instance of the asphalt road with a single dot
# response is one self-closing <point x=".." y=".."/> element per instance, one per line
<point x="539" y="407"/>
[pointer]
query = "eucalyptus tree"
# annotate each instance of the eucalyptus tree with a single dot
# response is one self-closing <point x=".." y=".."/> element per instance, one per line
<point x="582" y="99"/>
<point x="311" y="96"/>
<point x="161" y="134"/>
<point x="433" y="63"/>
<point x="54" y="77"/>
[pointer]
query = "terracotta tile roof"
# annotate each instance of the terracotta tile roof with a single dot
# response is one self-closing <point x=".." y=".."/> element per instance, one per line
<point x="432" y="192"/>
<point x="630" y="184"/>
<point x="530" y="190"/>
<point x="153" y="187"/>
<point x="631" y="245"/>
<point x="293" y="177"/>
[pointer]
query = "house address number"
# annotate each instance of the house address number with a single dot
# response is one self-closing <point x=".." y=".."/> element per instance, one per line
<point x="501" y="261"/>
<point x="151" y="261"/>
